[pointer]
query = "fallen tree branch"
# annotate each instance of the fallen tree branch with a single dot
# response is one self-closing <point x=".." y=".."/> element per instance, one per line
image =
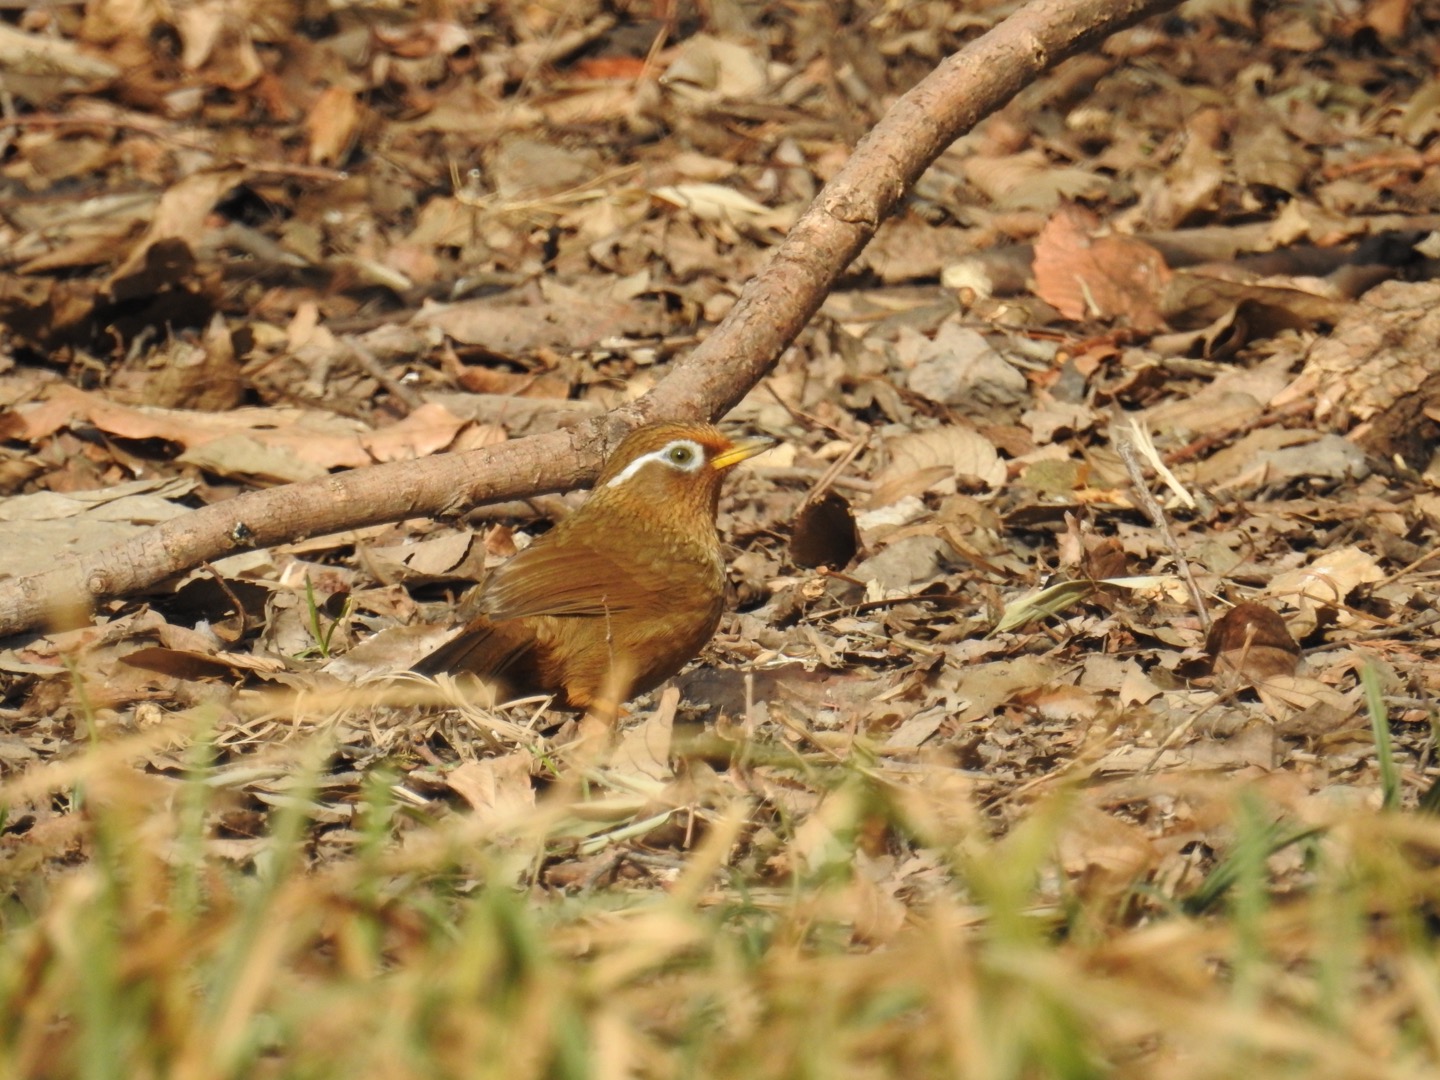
<point x="770" y="313"/>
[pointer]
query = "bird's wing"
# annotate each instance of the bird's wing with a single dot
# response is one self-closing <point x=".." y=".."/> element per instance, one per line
<point x="569" y="579"/>
<point x="480" y="647"/>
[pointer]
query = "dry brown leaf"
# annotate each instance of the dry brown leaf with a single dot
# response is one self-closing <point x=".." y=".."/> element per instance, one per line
<point x="819" y="839"/>
<point x="720" y="205"/>
<point x="1254" y="642"/>
<point x="179" y="217"/>
<point x="523" y="167"/>
<point x="1192" y="183"/>
<point x="1286" y="696"/>
<point x="1263" y="154"/>
<point x="484" y="380"/>
<point x="332" y="125"/>
<point x="1379" y="354"/>
<point x="205" y="377"/>
<point x="38" y="527"/>
<point x="985" y="687"/>
<point x="644" y="751"/>
<point x="497" y="789"/>
<point x="242" y="457"/>
<point x="314" y="438"/>
<point x="934" y="459"/>
<point x="1103" y="856"/>
<point x="1389" y="18"/>
<point x="824" y="533"/>
<point x="216" y="35"/>
<point x="960" y="368"/>
<point x="1216" y="412"/>
<point x="449" y="557"/>
<point x="914" y="730"/>
<point x="1086" y="276"/>
<point x="1069" y="703"/>
<point x="200" y="663"/>
<point x="514" y="325"/>
<point x="707" y="69"/>
<point x="1255" y="309"/>
<point x="1030" y="181"/>
<point x="1054" y="418"/>
<point x="426" y="430"/>
<point x="875" y="914"/>
<point x="1325" y="584"/>
<point x="1137" y="688"/>
<point x="909" y="248"/>
<point x="110" y="21"/>
<point x="1254" y="746"/>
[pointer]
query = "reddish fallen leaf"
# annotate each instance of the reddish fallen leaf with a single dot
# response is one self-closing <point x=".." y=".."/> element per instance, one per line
<point x="610" y="67"/>
<point x="1106" y="277"/>
<point x="332" y="125"/>
<point x="484" y="380"/>
<point x="1254" y="642"/>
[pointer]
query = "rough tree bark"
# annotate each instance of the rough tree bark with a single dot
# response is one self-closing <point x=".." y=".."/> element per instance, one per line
<point x="771" y="311"/>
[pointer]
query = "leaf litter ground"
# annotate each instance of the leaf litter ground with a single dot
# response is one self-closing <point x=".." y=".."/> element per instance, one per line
<point x="1133" y="409"/>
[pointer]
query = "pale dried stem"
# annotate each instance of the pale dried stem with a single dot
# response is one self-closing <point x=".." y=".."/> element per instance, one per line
<point x="1125" y="445"/>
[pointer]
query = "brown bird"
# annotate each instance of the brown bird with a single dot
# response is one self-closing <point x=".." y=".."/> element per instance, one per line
<point x="619" y="595"/>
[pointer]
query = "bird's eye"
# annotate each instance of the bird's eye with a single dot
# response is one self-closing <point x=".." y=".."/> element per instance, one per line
<point x="681" y="455"/>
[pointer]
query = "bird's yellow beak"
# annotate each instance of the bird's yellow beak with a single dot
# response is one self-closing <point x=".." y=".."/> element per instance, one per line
<point x="740" y="450"/>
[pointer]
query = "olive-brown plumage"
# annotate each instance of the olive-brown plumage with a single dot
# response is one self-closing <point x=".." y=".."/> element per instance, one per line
<point x="619" y="595"/>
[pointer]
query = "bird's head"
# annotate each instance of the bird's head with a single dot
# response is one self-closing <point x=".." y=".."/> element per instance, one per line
<point x="676" y="467"/>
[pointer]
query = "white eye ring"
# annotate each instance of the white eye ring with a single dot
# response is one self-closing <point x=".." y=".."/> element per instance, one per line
<point x="683" y="455"/>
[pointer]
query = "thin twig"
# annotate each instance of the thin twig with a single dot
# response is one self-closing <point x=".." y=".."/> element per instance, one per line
<point x="403" y="395"/>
